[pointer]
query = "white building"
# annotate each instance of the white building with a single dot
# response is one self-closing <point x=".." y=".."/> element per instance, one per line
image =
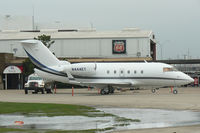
<point x="128" y="43"/>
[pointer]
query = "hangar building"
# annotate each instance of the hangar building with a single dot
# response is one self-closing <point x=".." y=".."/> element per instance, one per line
<point x="86" y="43"/>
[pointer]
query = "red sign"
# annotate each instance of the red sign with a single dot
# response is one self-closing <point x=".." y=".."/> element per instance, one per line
<point x="119" y="46"/>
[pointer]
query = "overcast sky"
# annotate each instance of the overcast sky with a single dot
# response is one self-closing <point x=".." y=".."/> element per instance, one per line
<point x="175" y="23"/>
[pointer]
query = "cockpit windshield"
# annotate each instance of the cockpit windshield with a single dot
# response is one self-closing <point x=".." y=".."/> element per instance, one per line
<point x="169" y="69"/>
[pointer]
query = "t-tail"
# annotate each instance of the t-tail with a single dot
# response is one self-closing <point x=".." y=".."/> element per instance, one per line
<point x="43" y="58"/>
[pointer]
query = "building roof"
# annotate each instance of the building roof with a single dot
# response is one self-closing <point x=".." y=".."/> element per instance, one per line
<point x="73" y="33"/>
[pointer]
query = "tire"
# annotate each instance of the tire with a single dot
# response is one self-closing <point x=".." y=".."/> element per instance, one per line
<point x="36" y="91"/>
<point x="26" y="91"/>
<point x="108" y="91"/>
<point x="42" y="90"/>
<point x="103" y="92"/>
<point x="153" y="90"/>
<point x="175" y="92"/>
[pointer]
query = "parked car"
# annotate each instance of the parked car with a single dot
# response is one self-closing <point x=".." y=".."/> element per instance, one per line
<point x="35" y="83"/>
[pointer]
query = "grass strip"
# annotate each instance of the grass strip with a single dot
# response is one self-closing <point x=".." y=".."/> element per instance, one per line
<point x="10" y="130"/>
<point x="43" y="109"/>
<point x="15" y="130"/>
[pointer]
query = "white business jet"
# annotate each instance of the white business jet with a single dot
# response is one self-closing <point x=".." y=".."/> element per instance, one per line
<point x="106" y="76"/>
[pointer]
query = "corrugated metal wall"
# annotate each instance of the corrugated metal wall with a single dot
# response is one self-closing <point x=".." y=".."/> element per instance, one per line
<point x="96" y="48"/>
<point x="99" y="47"/>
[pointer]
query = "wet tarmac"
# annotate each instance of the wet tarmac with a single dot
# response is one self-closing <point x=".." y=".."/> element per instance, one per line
<point x="155" y="118"/>
<point x="149" y="118"/>
<point x="57" y="122"/>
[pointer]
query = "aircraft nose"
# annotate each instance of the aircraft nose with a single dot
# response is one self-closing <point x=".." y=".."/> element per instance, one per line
<point x="190" y="79"/>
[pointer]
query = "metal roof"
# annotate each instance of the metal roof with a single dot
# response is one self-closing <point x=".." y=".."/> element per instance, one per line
<point x="72" y="34"/>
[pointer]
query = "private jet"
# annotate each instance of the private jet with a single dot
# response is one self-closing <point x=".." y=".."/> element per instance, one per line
<point x="103" y="75"/>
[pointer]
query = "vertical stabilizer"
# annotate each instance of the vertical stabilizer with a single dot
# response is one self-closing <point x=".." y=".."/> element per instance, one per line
<point x="39" y="54"/>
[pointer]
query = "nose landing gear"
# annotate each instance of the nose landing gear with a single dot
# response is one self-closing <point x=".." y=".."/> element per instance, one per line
<point x="174" y="91"/>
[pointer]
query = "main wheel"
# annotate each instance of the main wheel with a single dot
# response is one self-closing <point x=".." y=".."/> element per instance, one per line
<point x="108" y="90"/>
<point x="153" y="90"/>
<point x="103" y="92"/>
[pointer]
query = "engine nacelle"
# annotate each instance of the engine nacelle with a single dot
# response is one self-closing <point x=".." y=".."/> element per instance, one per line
<point x="83" y="69"/>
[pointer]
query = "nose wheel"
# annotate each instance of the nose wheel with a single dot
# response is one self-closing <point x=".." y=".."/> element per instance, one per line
<point x="175" y="92"/>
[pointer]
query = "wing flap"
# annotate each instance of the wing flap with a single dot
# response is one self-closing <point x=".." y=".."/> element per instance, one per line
<point x="108" y="83"/>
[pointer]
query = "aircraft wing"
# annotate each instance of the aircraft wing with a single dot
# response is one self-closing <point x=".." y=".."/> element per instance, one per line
<point x="106" y="83"/>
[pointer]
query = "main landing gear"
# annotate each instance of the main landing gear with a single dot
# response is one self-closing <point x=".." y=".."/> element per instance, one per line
<point x="154" y="90"/>
<point x="107" y="90"/>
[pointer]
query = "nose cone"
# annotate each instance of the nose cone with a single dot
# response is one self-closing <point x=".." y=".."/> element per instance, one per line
<point x="184" y="79"/>
<point x="189" y="79"/>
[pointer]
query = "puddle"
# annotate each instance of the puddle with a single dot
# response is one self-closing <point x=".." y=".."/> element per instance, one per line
<point x="150" y="118"/>
<point x="58" y="122"/>
<point x="155" y="118"/>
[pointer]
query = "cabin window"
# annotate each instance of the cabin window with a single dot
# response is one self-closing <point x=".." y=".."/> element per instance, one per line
<point x="169" y="69"/>
<point x="122" y="71"/>
<point x="142" y="71"/>
<point x="128" y="71"/>
<point x="135" y="71"/>
<point x="115" y="71"/>
<point x="108" y="71"/>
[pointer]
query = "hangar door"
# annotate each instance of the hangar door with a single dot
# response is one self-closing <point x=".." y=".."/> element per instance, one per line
<point x="12" y="77"/>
